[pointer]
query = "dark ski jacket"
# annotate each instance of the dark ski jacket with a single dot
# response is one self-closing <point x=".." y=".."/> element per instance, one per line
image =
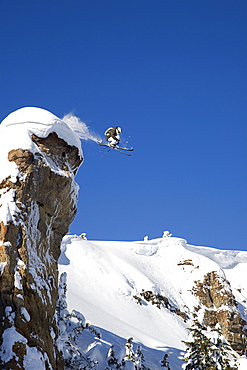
<point x="111" y="132"/>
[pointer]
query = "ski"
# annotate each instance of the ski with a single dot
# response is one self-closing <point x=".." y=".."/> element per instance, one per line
<point x="117" y="147"/>
<point x="129" y="149"/>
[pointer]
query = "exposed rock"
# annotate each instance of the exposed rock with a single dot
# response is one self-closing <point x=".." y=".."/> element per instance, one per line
<point x="186" y="262"/>
<point x="159" y="301"/>
<point x="42" y="208"/>
<point x="216" y="296"/>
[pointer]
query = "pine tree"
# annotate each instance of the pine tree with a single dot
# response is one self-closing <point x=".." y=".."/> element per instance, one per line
<point x="198" y="356"/>
<point x="222" y="351"/>
<point x="61" y="303"/>
<point x="71" y="325"/>
<point x="111" y="359"/>
<point x="129" y="356"/>
<point x="165" y="362"/>
<point x="207" y="350"/>
<point x="132" y="359"/>
<point x="139" y="360"/>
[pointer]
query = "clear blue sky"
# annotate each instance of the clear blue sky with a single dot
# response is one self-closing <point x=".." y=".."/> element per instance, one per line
<point x="173" y="75"/>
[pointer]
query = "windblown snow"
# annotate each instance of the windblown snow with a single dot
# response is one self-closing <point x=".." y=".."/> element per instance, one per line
<point x="105" y="278"/>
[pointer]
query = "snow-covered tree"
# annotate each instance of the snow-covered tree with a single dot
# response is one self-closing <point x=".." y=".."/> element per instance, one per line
<point x="165" y="362"/>
<point x="207" y="350"/>
<point x="131" y="361"/>
<point x="223" y="354"/>
<point x="70" y="326"/>
<point x="112" y="361"/>
<point x="139" y="360"/>
<point x="166" y="234"/>
<point x="129" y="356"/>
<point x="62" y="290"/>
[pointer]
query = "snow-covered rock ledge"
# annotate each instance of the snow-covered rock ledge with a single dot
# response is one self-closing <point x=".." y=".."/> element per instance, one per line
<point x="39" y="157"/>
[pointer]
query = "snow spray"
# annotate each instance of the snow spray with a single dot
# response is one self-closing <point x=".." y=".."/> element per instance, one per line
<point x="80" y="128"/>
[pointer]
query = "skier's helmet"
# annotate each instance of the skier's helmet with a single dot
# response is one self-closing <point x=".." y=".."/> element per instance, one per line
<point x="119" y="130"/>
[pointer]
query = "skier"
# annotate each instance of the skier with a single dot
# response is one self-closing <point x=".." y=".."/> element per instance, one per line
<point x="112" y="135"/>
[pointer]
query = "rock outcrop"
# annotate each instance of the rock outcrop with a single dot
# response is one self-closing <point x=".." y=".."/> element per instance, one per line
<point x="39" y="203"/>
<point x="215" y="295"/>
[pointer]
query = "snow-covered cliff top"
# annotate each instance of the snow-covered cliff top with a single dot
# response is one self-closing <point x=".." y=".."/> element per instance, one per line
<point x="40" y="122"/>
<point x="16" y="132"/>
<point x="17" y="128"/>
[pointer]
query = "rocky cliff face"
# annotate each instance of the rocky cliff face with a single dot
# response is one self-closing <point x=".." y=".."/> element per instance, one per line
<point x="39" y="203"/>
<point x="219" y="304"/>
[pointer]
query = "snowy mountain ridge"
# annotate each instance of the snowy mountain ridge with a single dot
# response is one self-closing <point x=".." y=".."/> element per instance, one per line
<point x="110" y="282"/>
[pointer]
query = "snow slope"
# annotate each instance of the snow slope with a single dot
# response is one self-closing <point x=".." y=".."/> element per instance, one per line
<point x="103" y="277"/>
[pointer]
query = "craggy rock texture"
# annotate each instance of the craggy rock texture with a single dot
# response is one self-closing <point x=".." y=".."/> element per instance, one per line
<point x="45" y="197"/>
<point x="216" y="296"/>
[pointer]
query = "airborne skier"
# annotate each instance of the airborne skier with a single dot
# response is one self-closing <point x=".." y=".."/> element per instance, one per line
<point x="113" y="138"/>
